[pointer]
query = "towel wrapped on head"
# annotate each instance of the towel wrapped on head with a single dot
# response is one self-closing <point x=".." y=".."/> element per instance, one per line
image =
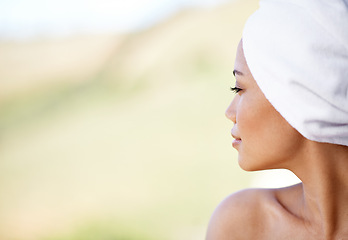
<point x="297" y="51"/>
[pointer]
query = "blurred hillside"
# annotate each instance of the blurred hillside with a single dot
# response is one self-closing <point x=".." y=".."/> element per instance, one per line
<point x="120" y="137"/>
<point x="41" y="74"/>
<point x="27" y="66"/>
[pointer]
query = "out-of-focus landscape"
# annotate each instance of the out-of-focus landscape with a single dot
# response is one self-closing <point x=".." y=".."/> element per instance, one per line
<point x="120" y="136"/>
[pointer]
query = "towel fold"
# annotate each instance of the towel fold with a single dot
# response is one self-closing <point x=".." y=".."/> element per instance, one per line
<point x="297" y="51"/>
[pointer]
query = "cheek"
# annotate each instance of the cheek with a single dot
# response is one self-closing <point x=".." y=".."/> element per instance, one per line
<point x="252" y="118"/>
<point x="268" y="141"/>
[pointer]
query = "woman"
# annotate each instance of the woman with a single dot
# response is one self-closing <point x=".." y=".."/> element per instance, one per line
<point x="291" y="112"/>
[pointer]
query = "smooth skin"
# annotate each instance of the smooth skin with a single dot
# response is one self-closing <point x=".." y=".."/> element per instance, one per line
<point x="315" y="209"/>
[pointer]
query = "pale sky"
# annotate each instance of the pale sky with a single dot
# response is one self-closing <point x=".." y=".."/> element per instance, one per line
<point x="27" y="18"/>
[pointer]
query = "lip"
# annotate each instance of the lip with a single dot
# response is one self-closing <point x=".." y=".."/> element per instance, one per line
<point x="237" y="141"/>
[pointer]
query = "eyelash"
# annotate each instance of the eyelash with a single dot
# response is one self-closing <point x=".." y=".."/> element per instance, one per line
<point x="235" y="89"/>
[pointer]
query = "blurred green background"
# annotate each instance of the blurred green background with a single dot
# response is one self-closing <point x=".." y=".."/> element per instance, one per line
<point x="120" y="136"/>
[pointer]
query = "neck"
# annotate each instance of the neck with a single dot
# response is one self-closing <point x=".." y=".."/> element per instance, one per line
<point x="323" y="172"/>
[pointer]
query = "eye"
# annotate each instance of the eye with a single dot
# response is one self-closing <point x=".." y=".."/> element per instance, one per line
<point x="236" y="89"/>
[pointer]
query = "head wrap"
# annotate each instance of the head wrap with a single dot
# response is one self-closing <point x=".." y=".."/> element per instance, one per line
<point x="297" y="51"/>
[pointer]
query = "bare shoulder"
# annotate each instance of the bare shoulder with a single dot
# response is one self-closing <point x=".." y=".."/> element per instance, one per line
<point x="239" y="215"/>
<point x="246" y="214"/>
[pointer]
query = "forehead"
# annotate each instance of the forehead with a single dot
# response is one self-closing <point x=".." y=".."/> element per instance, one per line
<point x="240" y="63"/>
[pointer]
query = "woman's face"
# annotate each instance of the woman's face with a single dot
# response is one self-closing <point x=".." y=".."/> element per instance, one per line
<point x="263" y="138"/>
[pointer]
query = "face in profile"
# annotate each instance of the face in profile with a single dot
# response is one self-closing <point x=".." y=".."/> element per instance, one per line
<point x="263" y="138"/>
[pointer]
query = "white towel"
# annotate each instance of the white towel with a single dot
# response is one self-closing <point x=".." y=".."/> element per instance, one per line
<point x="297" y="51"/>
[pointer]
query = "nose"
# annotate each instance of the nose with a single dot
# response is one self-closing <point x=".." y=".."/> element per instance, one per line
<point x="230" y="112"/>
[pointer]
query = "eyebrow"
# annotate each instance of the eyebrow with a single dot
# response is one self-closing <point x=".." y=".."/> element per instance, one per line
<point x="236" y="72"/>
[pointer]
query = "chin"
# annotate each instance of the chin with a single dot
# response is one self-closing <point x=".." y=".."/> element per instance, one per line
<point x="252" y="164"/>
<point x="249" y="168"/>
<point x="246" y="165"/>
